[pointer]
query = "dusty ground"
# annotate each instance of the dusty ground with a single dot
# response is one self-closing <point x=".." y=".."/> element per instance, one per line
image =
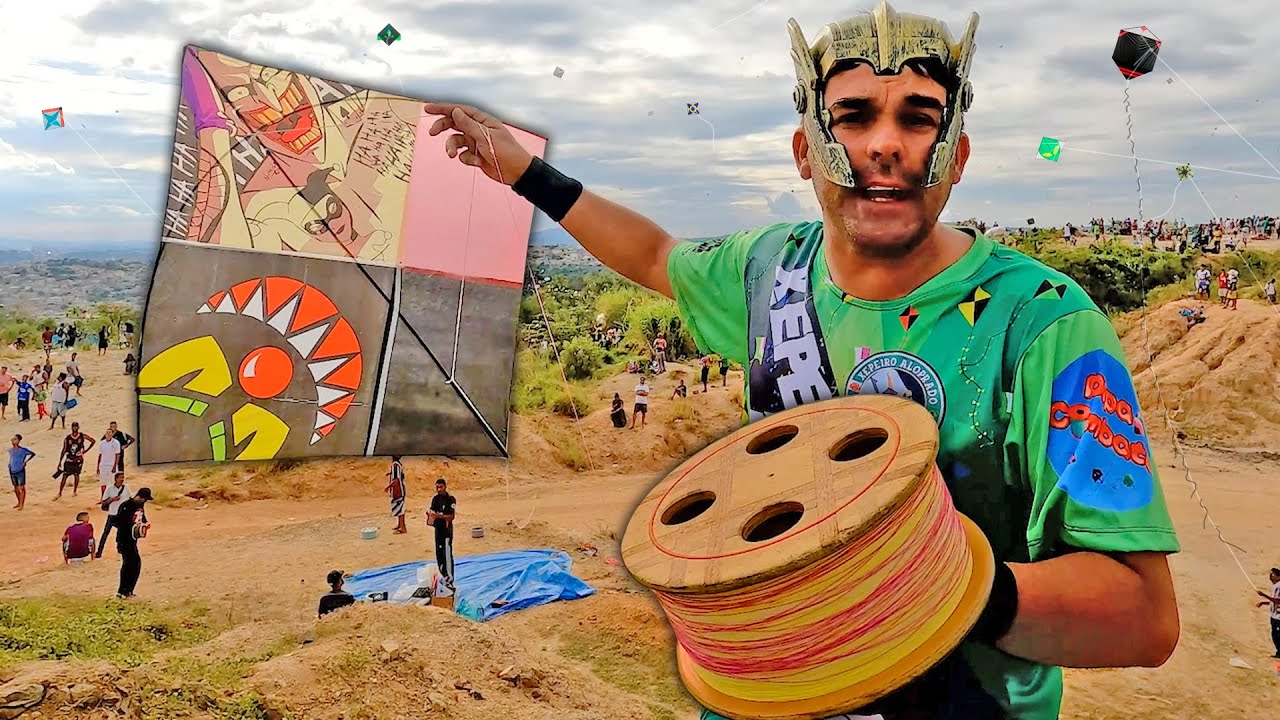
<point x="253" y="543"/>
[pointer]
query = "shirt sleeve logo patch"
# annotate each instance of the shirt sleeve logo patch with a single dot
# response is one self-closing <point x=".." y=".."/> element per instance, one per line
<point x="1097" y="440"/>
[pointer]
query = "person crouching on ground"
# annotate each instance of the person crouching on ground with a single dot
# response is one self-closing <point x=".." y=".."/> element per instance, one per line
<point x="77" y="540"/>
<point x="336" y="598"/>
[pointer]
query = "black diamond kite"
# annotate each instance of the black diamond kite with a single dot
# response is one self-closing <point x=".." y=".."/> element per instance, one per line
<point x="1135" y="54"/>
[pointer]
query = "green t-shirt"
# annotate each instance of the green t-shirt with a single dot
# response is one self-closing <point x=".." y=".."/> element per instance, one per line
<point x="1042" y="440"/>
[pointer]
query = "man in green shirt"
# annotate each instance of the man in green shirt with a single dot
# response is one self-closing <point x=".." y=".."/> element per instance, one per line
<point x="1043" y="443"/>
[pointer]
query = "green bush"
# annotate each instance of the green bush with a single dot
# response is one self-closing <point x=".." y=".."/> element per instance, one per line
<point x="581" y="358"/>
<point x="125" y="634"/>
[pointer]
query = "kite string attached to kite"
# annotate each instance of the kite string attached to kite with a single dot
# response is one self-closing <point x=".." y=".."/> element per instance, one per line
<point x="542" y="308"/>
<point x="1155" y="377"/>
<point x="1215" y="112"/>
<point x="1172" y="204"/>
<point x="113" y="171"/>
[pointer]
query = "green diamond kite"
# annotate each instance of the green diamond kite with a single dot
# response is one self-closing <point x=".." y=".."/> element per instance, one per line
<point x="1050" y="149"/>
<point x="1184" y="172"/>
<point x="389" y="34"/>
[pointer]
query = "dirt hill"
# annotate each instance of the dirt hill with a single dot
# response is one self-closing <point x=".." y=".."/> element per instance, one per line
<point x="224" y="624"/>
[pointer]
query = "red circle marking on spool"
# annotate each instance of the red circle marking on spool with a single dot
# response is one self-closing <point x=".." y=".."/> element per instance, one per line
<point x="893" y="424"/>
<point x="265" y="372"/>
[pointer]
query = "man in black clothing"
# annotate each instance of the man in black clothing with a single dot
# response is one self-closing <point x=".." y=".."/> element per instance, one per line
<point x="336" y="597"/>
<point x="131" y="523"/>
<point x="125" y="441"/>
<point x="441" y="514"/>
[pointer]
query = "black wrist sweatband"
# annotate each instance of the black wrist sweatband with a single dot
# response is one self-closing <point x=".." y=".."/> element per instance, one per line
<point x="1002" y="607"/>
<point x="548" y="189"/>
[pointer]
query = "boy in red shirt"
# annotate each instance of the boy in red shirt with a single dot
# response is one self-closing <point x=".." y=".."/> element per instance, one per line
<point x="77" y="541"/>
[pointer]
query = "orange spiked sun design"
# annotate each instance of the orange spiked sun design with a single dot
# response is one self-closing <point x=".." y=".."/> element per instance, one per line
<point x="312" y="324"/>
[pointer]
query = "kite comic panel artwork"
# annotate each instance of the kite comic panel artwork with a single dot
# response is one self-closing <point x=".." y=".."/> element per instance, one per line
<point x="329" y="281"/>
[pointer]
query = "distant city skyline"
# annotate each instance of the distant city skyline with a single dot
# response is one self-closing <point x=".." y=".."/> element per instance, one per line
<point x="616" y="116"/>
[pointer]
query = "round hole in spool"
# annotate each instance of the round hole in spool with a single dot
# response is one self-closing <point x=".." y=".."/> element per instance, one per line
<point x="772" y="439"/>
<point x="858" y="444"/>
<point x="772" y="521"/>
<point x="688" y="507"/>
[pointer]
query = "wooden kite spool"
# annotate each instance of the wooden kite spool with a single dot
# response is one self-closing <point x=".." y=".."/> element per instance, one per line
<point x="812" y="562"/>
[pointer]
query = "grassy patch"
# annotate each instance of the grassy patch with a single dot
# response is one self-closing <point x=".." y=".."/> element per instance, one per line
<point x="197" y="685"/>
<point x="126" y="634"/>
<point x="567" y="447"/>
<point x="649" y="672"/>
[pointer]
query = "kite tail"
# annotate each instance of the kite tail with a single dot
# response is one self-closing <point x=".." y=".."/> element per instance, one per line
<point x="1133" y="147"/>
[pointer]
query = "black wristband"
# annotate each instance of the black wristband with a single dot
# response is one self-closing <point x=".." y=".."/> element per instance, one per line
<point x="1002" y="607"/>
<point x="548" y="189"/>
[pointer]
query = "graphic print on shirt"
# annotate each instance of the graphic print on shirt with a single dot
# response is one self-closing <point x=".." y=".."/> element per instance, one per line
<point x="900" y="374"/>
<point x="1097" y="439"/>
<point x="789" y="363"/>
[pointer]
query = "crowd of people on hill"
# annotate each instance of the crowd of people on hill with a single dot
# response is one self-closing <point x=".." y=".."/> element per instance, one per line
<point x="54" y="396"/>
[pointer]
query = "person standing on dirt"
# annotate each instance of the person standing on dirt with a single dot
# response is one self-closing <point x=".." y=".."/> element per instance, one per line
<point x="1222" y="288"/>
<point x="73" y="369"/>
<point x="441" y="514"/>
<point x="875" y="290"/>
<point x="113" y="496"/>
<point x="1274" y="601"/>
<point x="46" y="338"/>
<point x="19" y="456"/>
<point x="7" y="382"/>
<point x="58" y="396"/>
<point x="660" y="352"/>
<point x="641" y="410"/>
<point x="102" y="340"/>
<point x="1202" y="283"/>
<point x="108" y="454"/>
<point x="397" y="490"/>
<point x="71" y="461"/>
<point x="724" y="371"/>
<point x="125" y="440"/>
<point x="1233" y="288"/>
<point x="336" y="598"/>
<point x="706" y="371"/>
<point x="131" y="526"/>
<point x="1270" y="291"/>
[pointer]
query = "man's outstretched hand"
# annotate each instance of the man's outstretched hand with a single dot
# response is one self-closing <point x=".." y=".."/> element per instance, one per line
<point x="480" y="140"/>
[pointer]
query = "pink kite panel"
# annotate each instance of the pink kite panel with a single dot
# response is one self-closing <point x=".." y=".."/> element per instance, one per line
<point x="459" y="222"/>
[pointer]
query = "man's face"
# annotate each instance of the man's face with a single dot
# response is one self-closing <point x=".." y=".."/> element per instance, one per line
<point x="14" y="441"/>
<point x="888" y="125"/>
<point x="440" y="488"/>
<point x="111" y="428"/>
<point x="75" y="428"/>
<point x="1275" y="577"/>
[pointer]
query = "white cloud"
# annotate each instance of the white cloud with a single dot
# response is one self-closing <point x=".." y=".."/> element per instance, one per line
<point x="85" y="211"/>
<point x="13" y="160"/>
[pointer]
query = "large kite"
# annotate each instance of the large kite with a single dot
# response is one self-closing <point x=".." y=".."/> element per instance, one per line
<point x="329" y="281"/>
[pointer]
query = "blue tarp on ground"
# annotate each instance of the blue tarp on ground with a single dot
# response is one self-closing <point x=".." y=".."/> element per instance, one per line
<point x="519" y="578"/>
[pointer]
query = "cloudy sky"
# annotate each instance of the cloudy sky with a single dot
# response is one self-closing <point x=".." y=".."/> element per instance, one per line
<point x="617" y="120"/>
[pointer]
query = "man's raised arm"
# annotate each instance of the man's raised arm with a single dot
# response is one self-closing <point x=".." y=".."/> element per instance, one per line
<point x="624" y="240"/>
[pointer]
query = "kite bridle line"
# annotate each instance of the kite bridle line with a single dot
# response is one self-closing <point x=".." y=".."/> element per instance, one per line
<point x="1151" y="365"/>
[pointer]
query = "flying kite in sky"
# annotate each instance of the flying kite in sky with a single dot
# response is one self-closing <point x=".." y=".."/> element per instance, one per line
<point x="53" y="118"/>
<point x="1135" y="54"/>
<point x="1185" y="172"/>
<point x="329" y="281"/>
<point x="1050" y="149"/>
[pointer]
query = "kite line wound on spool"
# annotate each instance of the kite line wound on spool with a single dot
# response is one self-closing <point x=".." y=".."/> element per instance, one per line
<point x="812" y="562"/>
